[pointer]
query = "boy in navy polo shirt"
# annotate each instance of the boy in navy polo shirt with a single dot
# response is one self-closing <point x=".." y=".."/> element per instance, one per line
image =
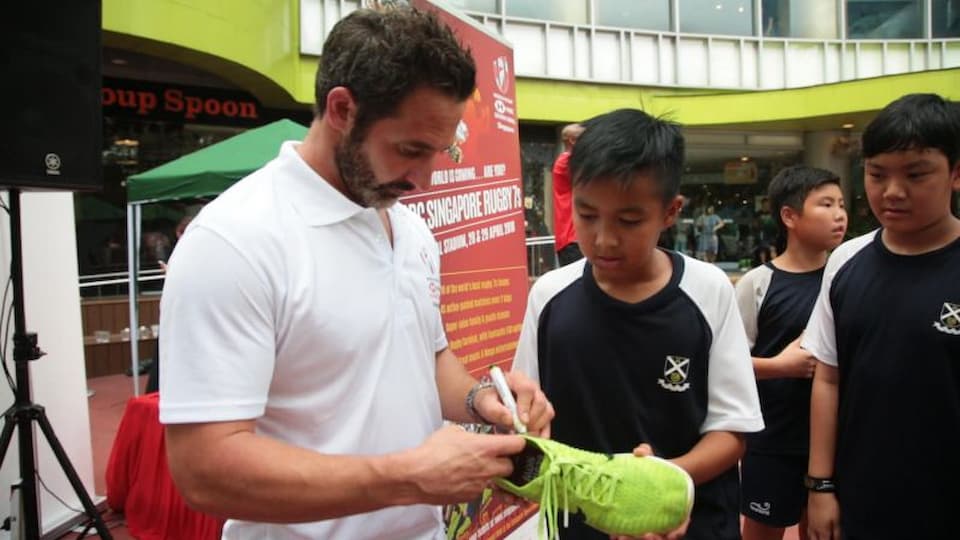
<point x="885" y="407"/>
<point x="775" y="301"/>
<point x="636" y="344"/>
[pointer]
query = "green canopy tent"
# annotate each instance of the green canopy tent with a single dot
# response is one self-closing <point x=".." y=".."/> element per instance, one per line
<point x="202" y="174"/>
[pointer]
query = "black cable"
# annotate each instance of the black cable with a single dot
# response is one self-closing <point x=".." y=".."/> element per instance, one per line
<point x="55" y="496"/>
<point x="5" y="334"/>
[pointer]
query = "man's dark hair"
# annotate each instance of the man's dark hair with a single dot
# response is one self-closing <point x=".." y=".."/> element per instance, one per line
<point x="383" y="55"/>
<point x="621" y="144"/>
<point x="790" y="188"/>
<point x="915" y="122"/>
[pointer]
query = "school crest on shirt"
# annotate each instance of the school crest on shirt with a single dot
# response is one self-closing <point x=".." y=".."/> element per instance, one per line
<point x="675" y="371"/>
<point x="949" y="322"/>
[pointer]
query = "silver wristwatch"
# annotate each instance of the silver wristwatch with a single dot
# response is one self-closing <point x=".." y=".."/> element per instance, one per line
<point x="472" y="397"/>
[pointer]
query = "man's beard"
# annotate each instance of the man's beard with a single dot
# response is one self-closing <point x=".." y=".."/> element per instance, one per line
<point x="358" y="179"/>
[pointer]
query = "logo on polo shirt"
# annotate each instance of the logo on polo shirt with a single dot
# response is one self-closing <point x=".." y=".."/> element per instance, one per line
<point x="949" y="322"/>
<point x="675" y="371"/>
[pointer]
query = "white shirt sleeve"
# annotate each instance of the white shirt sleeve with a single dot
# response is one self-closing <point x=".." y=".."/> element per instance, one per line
<point x="750" y="290"/>
<point x="733" y="403"/>
<point x="217" y="338"/>
<point x="525" y="360"/>
<point x="820" y="336"/>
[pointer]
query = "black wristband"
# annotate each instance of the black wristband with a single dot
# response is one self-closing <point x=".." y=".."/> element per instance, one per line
<point x="819" y="485"/>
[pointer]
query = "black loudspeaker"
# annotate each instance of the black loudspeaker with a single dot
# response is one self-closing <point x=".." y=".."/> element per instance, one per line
<point x="50" y="114"/>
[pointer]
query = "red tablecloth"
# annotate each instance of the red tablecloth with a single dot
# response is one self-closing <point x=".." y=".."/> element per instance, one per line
<point x="139" y="483"/>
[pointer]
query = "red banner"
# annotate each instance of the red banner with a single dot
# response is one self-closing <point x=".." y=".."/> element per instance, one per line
<point x="475" y="210"/>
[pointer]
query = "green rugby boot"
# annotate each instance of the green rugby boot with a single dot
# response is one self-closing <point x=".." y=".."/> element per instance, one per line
<point x="617" y="494"/>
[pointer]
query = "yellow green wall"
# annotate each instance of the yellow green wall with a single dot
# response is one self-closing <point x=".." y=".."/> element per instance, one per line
<point x="255" y="45"/>
<point x="252" y="43"/>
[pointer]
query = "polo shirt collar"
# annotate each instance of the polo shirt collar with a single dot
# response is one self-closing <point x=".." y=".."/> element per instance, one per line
<point x="315" y="200"/>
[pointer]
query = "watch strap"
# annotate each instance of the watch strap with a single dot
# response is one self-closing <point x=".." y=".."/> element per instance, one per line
<point x="470" y="402"/>
<point x="819" y="485"/>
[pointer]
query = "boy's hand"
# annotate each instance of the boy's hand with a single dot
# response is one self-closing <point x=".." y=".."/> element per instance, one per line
<point x="823" y="517"/>
<point x="643" y="450"/>
<point x="794" y="362"/>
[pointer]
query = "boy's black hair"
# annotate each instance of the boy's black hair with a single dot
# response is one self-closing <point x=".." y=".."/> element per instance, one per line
<point x="790" y="188"/>
<point x="914" y="122"/>
<point x="620" y="144"/>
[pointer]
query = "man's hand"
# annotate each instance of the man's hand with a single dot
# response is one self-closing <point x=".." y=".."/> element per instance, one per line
<point x="454" y="466"/>
<point x="823" y="516"/>
<point x="643" y="450"/>
<point x="794" y="362"/>
<point x="534" y="409"/>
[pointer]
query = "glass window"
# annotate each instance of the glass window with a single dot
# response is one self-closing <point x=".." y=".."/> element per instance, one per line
<point x="721" y="185"/>
<point x="946" y="18"/>
<point x="483" y="6"/>
<point x="642" y="14"/>
<point x="887" y="19"/>
<point x="717" y="17"/>
<point x="815" y="19"/>
<point x="569" y="11"/>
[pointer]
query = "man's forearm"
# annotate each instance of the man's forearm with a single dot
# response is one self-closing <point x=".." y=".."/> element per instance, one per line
<point x="249" y="477"/>
<point x="453" y="384"/>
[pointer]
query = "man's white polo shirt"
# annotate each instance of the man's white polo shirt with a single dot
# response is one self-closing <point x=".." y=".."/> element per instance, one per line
<point x="285" y="303"/>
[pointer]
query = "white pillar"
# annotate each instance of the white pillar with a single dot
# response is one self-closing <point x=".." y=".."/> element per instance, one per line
<point x="832" y="150"/>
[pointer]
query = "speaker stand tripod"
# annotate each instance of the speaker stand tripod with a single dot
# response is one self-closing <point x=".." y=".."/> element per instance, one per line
<point x="24" y="412"/>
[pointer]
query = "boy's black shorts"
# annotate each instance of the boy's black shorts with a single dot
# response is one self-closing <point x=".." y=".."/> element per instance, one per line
<point x="771" y="488"/>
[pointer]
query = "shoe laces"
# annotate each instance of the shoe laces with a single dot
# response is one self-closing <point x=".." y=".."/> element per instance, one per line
<point x="565" y="478"/>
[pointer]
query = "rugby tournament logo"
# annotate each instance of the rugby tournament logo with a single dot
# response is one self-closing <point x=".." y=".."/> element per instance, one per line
<point x="501" y="74"/>
<point x="949" y="322"/>
<point x="675" y="372"/>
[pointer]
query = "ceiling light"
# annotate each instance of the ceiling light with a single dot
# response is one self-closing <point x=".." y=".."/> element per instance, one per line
<point x="847" y="126"/>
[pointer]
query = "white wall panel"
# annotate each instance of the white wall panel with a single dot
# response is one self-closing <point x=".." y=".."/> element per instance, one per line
<point x="668" y="63"/>
<point x="693" y="67"/>
<point x="919" y="56"/>
<point x="749" y="65"/>
<point x="606" y="55"/>
<point x="849" y="67"/>
<point x="581" y="44"/>
<point x="897" y="59"/>
<point x="528" y="41"/>
<point x="724" y="63"/>
<point x="870" y="60"/>
<point x="560" y="52"/>
<point x="936" y="62"/>
<point x="772" y="65"/>
<point x="952" y="55"/>
<point x="645" y="60"/>
<point x="804" y="65"/>
<point x="832" y="59"/>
